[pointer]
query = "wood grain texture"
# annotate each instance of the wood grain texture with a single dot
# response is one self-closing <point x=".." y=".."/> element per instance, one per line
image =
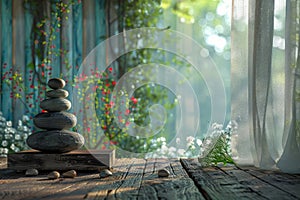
<point x="6" y="56"/>
<point x="242" y="183"/>
<point x="286" y="184"/>
<point x="210" y="187"/>
<point x="137" y="179"/>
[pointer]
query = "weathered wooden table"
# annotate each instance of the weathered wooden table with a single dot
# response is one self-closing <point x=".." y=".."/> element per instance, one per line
<point x="137" y="179"/>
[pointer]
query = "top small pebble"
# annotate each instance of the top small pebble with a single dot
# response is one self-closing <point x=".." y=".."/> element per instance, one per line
<point x="56" y="83"/>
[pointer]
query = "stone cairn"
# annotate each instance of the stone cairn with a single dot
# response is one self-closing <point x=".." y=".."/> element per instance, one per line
<point x="56" y="138"/>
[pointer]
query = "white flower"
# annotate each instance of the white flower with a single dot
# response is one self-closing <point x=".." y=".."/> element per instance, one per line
<point x="164" y="149"/>
<point x="181" y="151"/>
<point x="5" y="150"/>
<point x="199" y="142"/>
<point x="190" y="140"/>
<point x="172" y="149"/>
<point x="216" y="126"/>
<point x="177" y="140"/>
<point x="7" y="136"/>
<point x="25" y="118"/>
<point x="9" y="123"/>
<point x="161" y="139"/>
<point x="20" y="123"/>
<point x="4" y="143"/>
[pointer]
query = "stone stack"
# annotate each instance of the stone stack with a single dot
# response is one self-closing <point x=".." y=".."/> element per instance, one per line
<point x="56" y="138"/>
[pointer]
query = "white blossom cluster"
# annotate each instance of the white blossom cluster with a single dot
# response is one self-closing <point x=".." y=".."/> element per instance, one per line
<point x="13" y="139"/>
<point x="165" y="151"/>
<point x="195" y="147"/>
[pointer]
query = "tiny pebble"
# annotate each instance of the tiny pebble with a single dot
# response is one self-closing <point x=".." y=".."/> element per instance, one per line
<point x="163" y="173"/>
<point x="70" y="174"/>
<point x="31" y="172"/>
<point x="53" y="175"/>
<point x="105" y="173"/>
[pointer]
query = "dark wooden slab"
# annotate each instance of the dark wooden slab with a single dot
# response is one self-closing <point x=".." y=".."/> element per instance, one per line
<point x="232" y="182"/>
<point x="137" y="179"/>
<point x="77" y="160"/>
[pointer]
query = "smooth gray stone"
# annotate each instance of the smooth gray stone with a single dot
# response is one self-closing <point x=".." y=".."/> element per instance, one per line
<point x="55" y="120"/>
<point x="31" y="172"/>
<point x="56" y="83"/>
<point x="70" y="174"/>
<point x="55" y="104"/>
<point x="163" y="173"/>
<point x="57" y="93"/>
<point x="105" y="173"/>
<point x="53" y="175"/>
<point x="55" y="141"/>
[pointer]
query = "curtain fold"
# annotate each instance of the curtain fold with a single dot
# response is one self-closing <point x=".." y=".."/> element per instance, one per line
<point x="271" y="121"/>
<point x="290" y="159"/>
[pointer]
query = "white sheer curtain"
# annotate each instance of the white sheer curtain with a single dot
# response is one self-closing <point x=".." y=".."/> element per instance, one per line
<point x="266" y="83"/>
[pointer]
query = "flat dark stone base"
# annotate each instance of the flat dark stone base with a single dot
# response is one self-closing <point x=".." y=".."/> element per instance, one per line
<point x="77" y="160"/>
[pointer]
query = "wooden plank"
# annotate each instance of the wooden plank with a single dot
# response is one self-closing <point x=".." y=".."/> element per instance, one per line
<point x="3" y="162"/>
<point x="177" y="186"/>
<point x="6" y="55"/>
<point x="85" y="186"/>
<point x="146" y="191"/>
<point x="285" y="184"/>
<point x="18" y="57"/>
<point x="108" y="185"/>
<point x="28" y="24"/>
<point x="216" y="186"/>
<point x="257" y="187"/>
<point x="77" y="160"/>
<point x="63" y="188"/>
<point x="129" y="188"/>
<point x="77" y="37"/>
<point x="67" y="46"/>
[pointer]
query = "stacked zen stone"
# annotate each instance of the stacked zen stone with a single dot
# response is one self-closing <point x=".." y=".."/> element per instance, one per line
<point x="56" y="138"/>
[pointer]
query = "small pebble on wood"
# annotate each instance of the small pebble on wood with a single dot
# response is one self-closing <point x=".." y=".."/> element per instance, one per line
<point x="56" y="83"/>
<point x="31" y="172"/>
<point x="70" y="174"/>
<point x="105" y="173"/>
<point x="53" y="175"/>
<point x="163" y="173"/>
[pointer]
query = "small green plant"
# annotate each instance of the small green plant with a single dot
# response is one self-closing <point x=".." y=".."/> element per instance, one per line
<point x="216" y="148"/>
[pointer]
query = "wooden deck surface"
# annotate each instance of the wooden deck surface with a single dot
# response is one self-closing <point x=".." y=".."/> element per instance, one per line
<point x="137" y="179"/>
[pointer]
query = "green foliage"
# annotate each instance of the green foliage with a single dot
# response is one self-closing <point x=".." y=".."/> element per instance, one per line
<point x="218" y="153"/>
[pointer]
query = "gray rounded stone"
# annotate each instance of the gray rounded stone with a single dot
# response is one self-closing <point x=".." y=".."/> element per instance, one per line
<point x="53" y="175"/>
<point x="32" y="172"/>
<point x="56" y="83"/>
<point x="55" y="120"/>
<point x="163" y="173"/>
<point x="55" y="141"/>
<point x="70" y="174"/>
<point x="59" y="93"/>
<point x="105" y="173"/>
<point x="55" y="104"/>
